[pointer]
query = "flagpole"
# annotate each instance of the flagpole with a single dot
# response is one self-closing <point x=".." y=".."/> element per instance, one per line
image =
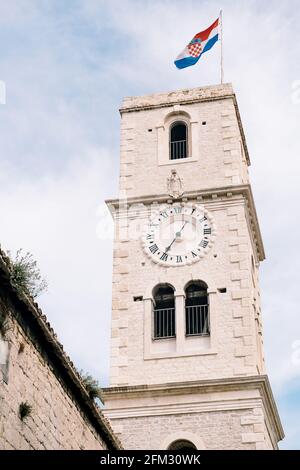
<point x="221" y="40"/>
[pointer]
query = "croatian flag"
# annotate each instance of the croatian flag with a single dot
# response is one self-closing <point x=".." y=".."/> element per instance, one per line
<point x="200" y="43"/>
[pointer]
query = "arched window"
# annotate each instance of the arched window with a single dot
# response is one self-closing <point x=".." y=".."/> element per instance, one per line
<point x="164" y="311"/>
<point x="197" y="309"/>
<point x="178" y="140"/>
<point x="182" y="444"/>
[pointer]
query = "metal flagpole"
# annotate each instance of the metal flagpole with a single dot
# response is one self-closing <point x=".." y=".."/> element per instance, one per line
<point x="221" y="40"/>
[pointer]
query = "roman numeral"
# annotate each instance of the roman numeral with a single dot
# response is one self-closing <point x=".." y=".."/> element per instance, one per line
<point x="164" y="257"/>
<point x="178" y="259"/>
<point x="207" y="231"/>
<point x="153" y="248"/>
<point x="177" y="210"/>
<point x="203" y="243"/>
<point x="203" y="219"/>
<point x="149" y="236"/>
<point x="164" y="214"/>
<point x="194" y="254"/>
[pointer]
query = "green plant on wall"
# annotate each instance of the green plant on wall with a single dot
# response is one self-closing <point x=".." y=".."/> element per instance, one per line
<point x="25" y="274"/>
<point x="24" y="410"/>
<point x="91" y="385"/>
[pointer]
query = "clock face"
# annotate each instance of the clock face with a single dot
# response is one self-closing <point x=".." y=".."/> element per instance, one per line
<point x="179" y="235"/>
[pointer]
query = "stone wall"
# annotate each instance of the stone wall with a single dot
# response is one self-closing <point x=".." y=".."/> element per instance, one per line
<point x="237" y="414"/>
<point x="217" y="151"/>
<point x="211" y="429"/>
<point x="215" y="177"/>
<point x="234" y="347"/>
<point x="35" y="370"/>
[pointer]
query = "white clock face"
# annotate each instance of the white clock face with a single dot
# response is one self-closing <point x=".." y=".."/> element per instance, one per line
<point x="179" y="235"/>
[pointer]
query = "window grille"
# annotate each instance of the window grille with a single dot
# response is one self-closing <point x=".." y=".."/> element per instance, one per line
<point x="197" y="309"/>
<point x="164" y="312"/>
<point x="178" y="141"/>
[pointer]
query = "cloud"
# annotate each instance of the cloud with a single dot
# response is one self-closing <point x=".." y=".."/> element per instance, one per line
<point x="56" y="219"/>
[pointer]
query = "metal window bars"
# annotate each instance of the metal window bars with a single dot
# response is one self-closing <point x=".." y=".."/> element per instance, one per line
<point x="197" y="320"/>
<point x="178" y="149"/>
<point x="164" y="323"/>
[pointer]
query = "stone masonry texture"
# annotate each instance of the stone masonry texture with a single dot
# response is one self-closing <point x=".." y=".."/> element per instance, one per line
<point x="215" y="176"/>
<point x="62" y="414"/>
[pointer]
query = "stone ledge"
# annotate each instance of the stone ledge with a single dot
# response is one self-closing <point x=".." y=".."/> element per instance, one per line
<point x="183" y="96"/>
<point x="259" y="382"/>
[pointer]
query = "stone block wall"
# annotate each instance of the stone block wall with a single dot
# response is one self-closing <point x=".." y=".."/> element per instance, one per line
<point x="235" y="413"/>
<point x="56" y="422"/>
<point x="217" y="148"/>
<point x="220" y="430"/>
<point x="34" y="370"/>
<point x="235" y="342"/>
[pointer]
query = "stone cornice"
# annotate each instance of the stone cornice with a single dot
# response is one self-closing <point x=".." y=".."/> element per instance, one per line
<point x="35" y="325"/>
<point x="188" y="95"/>
<point x="260" y="383"/>
<point x="205" y="196"/>
<point x="185" y="97"/>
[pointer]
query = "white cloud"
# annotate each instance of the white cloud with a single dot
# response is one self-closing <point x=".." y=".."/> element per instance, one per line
<point x="56" y="219"/>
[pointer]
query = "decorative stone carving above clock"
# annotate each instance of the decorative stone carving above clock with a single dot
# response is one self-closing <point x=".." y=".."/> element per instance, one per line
<point x="175" y="185"/>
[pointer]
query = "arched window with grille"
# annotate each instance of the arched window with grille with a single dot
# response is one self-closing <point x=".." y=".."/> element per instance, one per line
<point x="197" y="309"/>
<point x="182" y="444"/>
<point x="164" y="312"/>
<point x="178" y="140"/>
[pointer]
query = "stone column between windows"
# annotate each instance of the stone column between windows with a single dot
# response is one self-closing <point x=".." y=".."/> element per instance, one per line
<point x="148" y="325"/>
<point x="180" y="322"/>
<point x="213" y="307"/>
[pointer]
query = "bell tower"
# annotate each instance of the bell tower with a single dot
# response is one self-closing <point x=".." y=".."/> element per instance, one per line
<point x="187" y="363"/>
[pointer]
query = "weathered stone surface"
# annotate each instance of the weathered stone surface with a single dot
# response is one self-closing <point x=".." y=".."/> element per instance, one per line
<point x="56" y="421"/>
<point x="213" y="175"/>
<point x="40" y="374"/>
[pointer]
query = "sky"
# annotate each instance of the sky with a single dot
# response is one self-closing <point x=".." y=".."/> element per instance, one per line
<point x="64" y="69"/>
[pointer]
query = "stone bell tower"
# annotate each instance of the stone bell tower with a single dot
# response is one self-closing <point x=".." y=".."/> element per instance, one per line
<point x="187" y="363"/>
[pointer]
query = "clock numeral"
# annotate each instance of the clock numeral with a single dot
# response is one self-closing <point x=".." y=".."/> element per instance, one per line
<point x="149" y="236"/>
<point x="164" y="257"/>
<point x="178" y="259"/>
<point x="177" y="210"/>
<point x="203" y="243"/>
<point x="194" y="254"/>
<point x="164" y="214"/>
<point x="207" y="231"/>
<point x="153" y="248"/>
<point x="203" y="219"/>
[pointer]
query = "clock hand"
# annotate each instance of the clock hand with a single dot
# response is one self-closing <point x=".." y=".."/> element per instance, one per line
<point x="177" y="235"/>
<point x="169" y="247"/>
